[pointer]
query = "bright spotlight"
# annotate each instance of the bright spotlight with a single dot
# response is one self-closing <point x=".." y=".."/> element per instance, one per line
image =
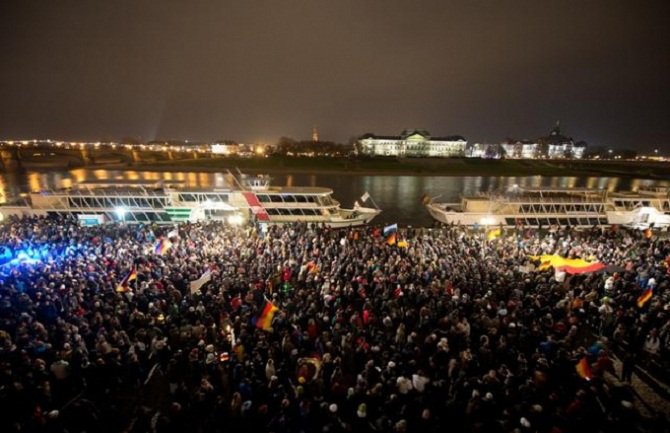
<point x="487" y="221"/>
<point x="121" y="212"/>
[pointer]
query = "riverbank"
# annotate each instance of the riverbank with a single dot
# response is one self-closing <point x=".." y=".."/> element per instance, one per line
<point x="413" y="167"/>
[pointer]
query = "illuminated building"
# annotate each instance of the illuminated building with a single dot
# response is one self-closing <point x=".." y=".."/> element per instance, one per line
<point x="412" y="143"/>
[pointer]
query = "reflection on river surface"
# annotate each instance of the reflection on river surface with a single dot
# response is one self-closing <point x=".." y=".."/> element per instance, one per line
<point x="398" y="196"/>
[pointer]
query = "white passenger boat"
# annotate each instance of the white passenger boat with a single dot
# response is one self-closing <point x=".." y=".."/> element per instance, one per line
<point x="558" y="207"/>
<point x="248" y="198"/>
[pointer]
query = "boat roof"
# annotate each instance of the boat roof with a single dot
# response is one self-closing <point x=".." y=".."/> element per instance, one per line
<point x="111" y="183"/>
<point x="553" y="190"/>
<point x="545" y="193"/>
<point x="295" y="190"/>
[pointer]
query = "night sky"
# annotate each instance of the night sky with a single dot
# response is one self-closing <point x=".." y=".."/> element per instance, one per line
<point x="252" y="70"/>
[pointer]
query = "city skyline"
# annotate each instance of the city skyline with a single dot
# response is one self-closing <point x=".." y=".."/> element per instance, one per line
<point x="256" y="71"/>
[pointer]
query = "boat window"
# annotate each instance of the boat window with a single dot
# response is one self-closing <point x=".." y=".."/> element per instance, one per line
<point x="288" y="198"/>
<point x="310" y="198"/>
<point x="300" y="199"/>
<point x="275" y="198"/>
<point x="218" y="197"/>
<point x="509" y="221"/>
<point x="263" y="198"/>
<point x="284" y="211"/>
<point x="187" y="197"/>
<point x="272" y="211"/>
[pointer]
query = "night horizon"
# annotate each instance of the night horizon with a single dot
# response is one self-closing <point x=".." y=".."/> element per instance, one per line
<point x="257" y="71"/>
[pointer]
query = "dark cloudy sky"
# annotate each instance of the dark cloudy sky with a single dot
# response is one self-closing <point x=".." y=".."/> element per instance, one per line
<point x="255" y="70"/>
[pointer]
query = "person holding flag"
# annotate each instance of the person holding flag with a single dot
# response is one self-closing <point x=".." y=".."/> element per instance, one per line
<point x="268" y="312"/>
<point x="122" y="287"/>
<point x="645" y="297"/>
<point x="195" y="285"/>
<point x="391" y="234"/>
<point x="162" y="246"/>
<point x="584" y="369"/>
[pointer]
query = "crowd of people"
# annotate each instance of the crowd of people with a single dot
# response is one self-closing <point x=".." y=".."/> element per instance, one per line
<point x="102" y="331"/>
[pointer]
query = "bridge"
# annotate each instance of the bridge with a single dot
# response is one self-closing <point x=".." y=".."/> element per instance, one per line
<point x="48" y="154"/>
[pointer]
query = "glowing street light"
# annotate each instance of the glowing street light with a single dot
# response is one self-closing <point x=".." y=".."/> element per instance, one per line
<point x="121" y="213"/>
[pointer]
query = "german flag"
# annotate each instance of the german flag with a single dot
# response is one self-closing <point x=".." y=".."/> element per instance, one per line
<point x="584" y="369"/>
<point x="645" y="297"/>
<point x="571" y="266"/>
<point x="264" y="321"/>
<point x="122" y="287"/>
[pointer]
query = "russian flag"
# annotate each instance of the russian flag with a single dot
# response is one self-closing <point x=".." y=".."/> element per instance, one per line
<point x="390" y="229"/>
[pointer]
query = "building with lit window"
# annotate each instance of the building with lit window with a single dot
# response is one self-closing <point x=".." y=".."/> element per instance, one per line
<point x="553" y="146"/>
<point x="484" y="151"/>
<point x="521" y="149"/>
<point x="412" y="143"/>
<point x="556" y="145"/>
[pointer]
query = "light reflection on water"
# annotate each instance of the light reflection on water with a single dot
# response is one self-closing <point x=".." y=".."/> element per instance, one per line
<point x="398" y="196"/>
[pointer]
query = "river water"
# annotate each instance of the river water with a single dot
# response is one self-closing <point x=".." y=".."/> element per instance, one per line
<point x="398" y="196"/>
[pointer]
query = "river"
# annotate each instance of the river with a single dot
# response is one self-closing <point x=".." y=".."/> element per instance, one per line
<point x="398" y="196"/>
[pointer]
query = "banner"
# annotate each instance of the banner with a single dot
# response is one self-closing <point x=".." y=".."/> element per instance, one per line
<point x="195" y="285"/>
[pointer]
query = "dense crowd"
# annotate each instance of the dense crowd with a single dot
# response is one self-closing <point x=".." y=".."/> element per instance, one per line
<point x="454" y="332"/>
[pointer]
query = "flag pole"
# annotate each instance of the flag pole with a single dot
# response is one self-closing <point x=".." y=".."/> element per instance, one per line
<point x="373" y="202"/>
